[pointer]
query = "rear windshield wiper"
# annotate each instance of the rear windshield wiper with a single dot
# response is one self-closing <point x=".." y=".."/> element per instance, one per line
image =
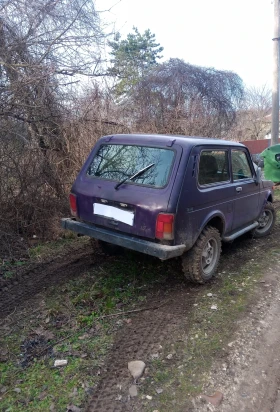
<point x="134" y="176"/>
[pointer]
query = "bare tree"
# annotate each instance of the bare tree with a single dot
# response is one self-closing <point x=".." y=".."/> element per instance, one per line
<point x="42" y="44"/>
<point x="253" y="119"/>
<point x="46" y="46"/>
<point x="177" y="97"/>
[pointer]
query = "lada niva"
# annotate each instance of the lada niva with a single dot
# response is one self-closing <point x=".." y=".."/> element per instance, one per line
<point x="169" y="196"/>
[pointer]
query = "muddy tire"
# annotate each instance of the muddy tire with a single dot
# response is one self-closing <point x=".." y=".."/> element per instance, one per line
<point x="266" y="221"/>
<point x="200" y="263"/>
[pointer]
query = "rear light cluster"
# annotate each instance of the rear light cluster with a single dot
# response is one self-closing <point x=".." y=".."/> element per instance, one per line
<point x="73" y="204"/>
<point x="165" y="226"/>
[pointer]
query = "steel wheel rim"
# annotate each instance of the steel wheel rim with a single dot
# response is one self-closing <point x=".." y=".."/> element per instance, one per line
<point x="265" y="221"/>
<point x="209" y="256"/>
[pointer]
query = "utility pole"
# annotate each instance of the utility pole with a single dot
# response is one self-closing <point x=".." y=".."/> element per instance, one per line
<point x="275" y="82"/>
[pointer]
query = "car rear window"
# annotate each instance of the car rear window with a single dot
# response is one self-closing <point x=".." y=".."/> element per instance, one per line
<point x="118" y="162"/>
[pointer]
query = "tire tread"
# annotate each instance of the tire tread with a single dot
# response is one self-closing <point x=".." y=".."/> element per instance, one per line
<point x="191" y="261"/>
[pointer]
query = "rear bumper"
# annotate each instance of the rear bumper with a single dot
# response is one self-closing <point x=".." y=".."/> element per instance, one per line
<point x="163" y="252"/>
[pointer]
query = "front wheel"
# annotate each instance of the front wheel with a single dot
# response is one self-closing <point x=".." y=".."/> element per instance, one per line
<point x="266" y="221"/>
<point x="200" y="263"/>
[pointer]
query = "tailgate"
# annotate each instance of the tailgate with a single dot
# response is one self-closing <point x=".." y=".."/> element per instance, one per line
<point x="132" y="206"/>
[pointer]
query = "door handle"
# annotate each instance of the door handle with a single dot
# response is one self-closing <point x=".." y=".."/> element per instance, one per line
<point x="239" y="189"/>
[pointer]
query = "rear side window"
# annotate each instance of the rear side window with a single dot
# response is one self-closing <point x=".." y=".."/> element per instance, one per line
<point x="240" y="165"/>
<point x="213" y="167"/>
<point x="118" y="162"/>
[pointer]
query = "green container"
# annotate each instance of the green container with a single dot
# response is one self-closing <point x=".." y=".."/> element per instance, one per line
<point x="271" y="157"/>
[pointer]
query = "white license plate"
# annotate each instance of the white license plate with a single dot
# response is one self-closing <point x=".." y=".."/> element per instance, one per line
<point x="113" y="213"/>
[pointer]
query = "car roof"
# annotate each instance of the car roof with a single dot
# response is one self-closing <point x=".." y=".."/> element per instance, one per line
<point x="171" y="139"/>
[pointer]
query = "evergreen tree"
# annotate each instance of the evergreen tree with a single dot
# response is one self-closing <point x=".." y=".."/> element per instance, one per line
<point x="132" y="58"/>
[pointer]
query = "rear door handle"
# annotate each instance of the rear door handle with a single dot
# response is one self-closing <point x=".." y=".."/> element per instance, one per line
<point x="239" y="189"/>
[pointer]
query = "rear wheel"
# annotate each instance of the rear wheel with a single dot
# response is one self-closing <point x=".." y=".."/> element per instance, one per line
<point x="200" y="263"/>
<point x="266" y="221"/>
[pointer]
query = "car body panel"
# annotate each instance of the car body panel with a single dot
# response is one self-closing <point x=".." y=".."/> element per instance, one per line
<point x="130" y="209"/>
<point x="143" y="201"/>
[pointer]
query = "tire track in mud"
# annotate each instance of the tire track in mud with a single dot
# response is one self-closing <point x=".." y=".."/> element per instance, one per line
<point x="28" y="282"/>
<point x="139" y="341"/>
<point x="75" y="260"/>
<point x="149" y="329"/>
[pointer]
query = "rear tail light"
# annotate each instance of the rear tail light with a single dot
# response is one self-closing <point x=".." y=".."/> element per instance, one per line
<point x="73" y="204"/>
<point x="165" y="226"/>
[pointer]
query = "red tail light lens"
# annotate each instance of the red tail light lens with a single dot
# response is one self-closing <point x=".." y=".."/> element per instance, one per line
<point x="165" y="226"/>
<point x="73" y="204"/>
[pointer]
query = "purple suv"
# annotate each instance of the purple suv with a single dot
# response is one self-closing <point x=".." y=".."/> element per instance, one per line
<point x="170" y="196"/>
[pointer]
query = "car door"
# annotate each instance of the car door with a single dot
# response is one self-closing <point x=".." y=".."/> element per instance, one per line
<point x="209" y="192"/>
<point x="246" y="204"/>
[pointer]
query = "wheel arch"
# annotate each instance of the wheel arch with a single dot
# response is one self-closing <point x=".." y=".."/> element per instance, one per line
<point x="215" y="220"/>
<point x="269" y="197"/>
<point x="218" y="223"/>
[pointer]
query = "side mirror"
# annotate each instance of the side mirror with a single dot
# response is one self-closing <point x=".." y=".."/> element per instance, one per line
<point x="258" y="175"/>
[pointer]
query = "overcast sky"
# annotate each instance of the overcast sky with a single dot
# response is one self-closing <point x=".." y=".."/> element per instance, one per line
<point x="228" y="35"/>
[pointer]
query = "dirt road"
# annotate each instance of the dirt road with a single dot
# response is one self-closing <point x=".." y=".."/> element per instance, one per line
<point x="247" y="372"/>
<point x="249" y="376"/>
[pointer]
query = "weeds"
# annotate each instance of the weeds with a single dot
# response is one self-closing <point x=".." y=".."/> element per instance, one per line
<point x="69" y="325"/>
<point x="9" y="268"/>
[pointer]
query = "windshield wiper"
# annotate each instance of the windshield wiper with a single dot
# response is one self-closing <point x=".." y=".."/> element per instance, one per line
<point x="134" y="176"/>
